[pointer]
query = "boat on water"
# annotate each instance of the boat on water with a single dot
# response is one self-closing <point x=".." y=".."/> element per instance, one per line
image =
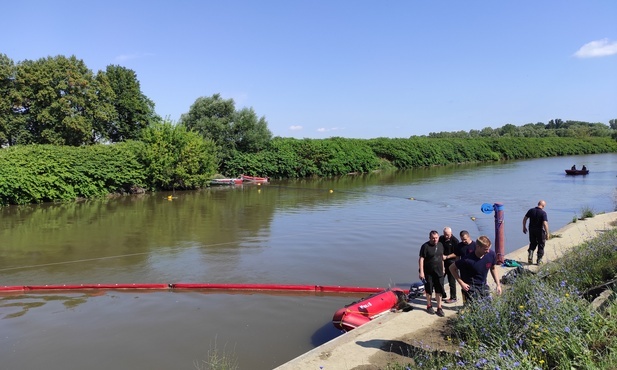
<point x="360" y="312"/>
<point x="237" y="181"/>
<point x="254" y="179"/>
<point x="577" y="172"/>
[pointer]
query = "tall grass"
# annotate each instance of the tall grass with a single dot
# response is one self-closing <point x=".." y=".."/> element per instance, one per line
<point x="218" y="359"/>
<point x="542" y="321"/>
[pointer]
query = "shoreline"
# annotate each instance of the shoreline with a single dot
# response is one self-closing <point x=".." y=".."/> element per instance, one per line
<point x="356" y="349"/>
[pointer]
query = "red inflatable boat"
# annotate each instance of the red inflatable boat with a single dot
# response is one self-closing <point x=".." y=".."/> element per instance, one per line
<point x="365" y="310"/>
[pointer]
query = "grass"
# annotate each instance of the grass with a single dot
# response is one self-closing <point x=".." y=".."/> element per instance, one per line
<point x="587" y="212"/>
<point x="541" y="321"/>
<point x="218" y="359"/>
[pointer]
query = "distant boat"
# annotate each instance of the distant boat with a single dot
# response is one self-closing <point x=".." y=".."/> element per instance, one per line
<point x="237" y="181"/>
<point x="577" y="172"/>
<point x="254" y="179"/>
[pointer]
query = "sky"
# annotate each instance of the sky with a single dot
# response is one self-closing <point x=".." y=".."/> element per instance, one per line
<point x="356" y="69"/>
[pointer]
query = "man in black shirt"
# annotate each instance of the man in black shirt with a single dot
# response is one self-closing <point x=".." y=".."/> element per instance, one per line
<point x="538" y="231"/>
<point x="450" y="243"/>
<point x="432" y="271"/>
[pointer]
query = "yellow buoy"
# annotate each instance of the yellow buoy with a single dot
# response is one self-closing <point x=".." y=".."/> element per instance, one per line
<point x="473" y="219"/>
<point x="412" y="198"/>
<point x="331" y="191"/>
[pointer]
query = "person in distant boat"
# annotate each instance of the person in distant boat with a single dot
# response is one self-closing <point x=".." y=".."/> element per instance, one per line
<point x="574" y="167"/>
<point x="584" y="168"/>
<point x="474" y="268"/>
<point x="450" y="243"/>
<point x="466" y="246"/>
<point x="432" y="272"/>
<point x="538" y="231"/>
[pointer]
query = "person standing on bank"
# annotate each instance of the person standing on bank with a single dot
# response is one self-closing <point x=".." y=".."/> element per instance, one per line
<point x="466" y="246"/>
<point x="538" y="231"/>
<point x="450" y="243"/>
<point x="432" y="271"/>
<point x="474" y="268"/>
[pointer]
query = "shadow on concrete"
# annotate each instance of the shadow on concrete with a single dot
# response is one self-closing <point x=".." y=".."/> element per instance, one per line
<point x="397" y="347"/>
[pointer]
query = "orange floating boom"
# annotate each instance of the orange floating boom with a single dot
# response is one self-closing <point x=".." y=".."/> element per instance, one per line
<point x="196" y="286"/>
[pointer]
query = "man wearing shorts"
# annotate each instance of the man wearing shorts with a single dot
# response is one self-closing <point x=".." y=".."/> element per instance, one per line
<point x="432" y="271"/>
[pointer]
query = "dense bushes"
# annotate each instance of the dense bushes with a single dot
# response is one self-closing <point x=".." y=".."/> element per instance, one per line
<point x="293" y="158"/>
<point x="174" y="158"/>
<point x="170" y="157"/>
<point x="41" y="173"/>
<point x="167" y="157"/>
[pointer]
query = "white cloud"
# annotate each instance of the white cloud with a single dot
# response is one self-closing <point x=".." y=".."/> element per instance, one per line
<point x="295" y="128"/>
<point x="323" y="129"/>
<point x="595" y="49"/>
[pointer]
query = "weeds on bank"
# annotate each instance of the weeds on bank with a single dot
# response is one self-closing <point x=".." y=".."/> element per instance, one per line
<point x="218" y="359"/>
<point x="541" y="321"/>
<point x="586" y="212"/>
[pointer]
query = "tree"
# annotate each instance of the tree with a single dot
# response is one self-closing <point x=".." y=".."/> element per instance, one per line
<point x="508" y="130"/>
<point x="211" y="117"/>
<point x="176" y="158"/>
<point x="248" y="133"/>
<point x="134" y="111"/>
<point x="60" y="101"/>
<point x="7" y="90"/>
<point x="613" y="124"/>
<point x="216" y="118"/>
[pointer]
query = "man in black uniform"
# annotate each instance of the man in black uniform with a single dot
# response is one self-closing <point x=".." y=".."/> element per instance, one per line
<point x="432" y="271"/>
<point x="450" y="244"/>
<point x="538" y="231"/>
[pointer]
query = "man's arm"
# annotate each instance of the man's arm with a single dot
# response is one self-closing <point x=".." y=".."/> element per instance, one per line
<point x="525" y="224"/>
<point x="421" y="264"/>
<point x="495" y="275"/>
<point x="545" y="224"/>
<point x="454" y="271"/>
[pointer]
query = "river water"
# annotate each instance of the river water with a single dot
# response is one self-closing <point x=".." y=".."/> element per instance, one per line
<point x="362" y="230"/>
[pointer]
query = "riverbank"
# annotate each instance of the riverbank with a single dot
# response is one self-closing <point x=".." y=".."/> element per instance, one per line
<point x="388" y="339"/>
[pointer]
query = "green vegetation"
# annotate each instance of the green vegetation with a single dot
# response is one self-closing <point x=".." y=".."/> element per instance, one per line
<point x="295" y="158"/>
<point x="59" y="101"/>
<point x="586" y="212"/>
<point x="44" y="173"/>
<point x="167" y="157"/>
<point x="542" y="321"/>
<point x="218" y="359"/>
<point x="174" y="158"/>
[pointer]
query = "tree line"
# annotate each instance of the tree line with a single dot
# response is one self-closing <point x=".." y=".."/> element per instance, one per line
<point x="554" y="128"/>
<point x="55" y="114"/>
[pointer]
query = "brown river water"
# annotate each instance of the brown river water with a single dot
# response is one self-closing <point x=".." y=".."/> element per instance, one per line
<point x="363" y="230"/>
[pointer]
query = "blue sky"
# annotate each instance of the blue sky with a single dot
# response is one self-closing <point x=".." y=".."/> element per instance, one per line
<point x="358" y="69"/>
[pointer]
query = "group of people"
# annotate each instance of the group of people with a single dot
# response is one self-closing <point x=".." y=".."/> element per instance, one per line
<point x="468" y="262"/>
<point x="574" y="168"/>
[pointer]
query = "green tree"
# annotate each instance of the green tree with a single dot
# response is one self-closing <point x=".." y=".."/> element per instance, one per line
<point x="216" y="118"/>
<point x="211" y="117"/>
<point x="176" y="158"/>
<point x="60" y="101"/>
<point x="7" y="90"/>
<point x="134" y="110"/>
<point x="249" y="133"/>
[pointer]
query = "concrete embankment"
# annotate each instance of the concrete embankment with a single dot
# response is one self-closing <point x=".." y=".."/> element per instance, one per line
<point x="356" y="348"/>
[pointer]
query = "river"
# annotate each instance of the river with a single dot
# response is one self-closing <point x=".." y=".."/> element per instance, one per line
<point x="363" y="230"/>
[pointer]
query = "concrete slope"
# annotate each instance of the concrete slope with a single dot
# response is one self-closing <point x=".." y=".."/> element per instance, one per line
<point x="355" y="348"/>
